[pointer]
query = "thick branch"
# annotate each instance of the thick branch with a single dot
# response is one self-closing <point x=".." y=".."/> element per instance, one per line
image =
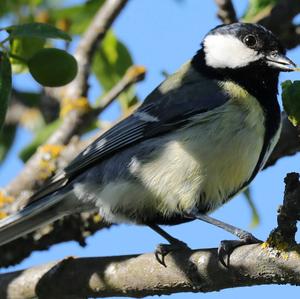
<point x="226" y="12"/>
<point x="140" y="276"/>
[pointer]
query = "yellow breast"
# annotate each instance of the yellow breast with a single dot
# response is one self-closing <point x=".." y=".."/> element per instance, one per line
<point x="205" y="163"/>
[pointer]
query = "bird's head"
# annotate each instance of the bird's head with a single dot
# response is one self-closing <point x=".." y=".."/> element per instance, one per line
<point x="241" y="45"/>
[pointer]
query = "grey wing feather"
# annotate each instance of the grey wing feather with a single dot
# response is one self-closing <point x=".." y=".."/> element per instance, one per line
<point x="169" y="107"/>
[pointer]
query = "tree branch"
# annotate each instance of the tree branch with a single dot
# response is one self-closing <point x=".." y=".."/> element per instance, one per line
<point x="279" y="19"/>
<point x="30" y="178"/>
<point x="89" y="43"/>
<point x="140" y="276"/>
<point x="277" y="261"/>
<point x="226" y="12"/>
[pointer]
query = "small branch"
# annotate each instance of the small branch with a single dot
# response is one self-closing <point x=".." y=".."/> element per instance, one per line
<point x="279" y="19"/>
<point x="133" y="74"/>
<point x="140" y="276"/>
<point x="226" y="12"/>
<point x="89" y="43"/>
<point x="288" y="214"/>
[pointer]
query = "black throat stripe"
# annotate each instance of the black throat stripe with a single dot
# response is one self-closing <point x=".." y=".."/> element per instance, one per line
<point x="260" y="82"/>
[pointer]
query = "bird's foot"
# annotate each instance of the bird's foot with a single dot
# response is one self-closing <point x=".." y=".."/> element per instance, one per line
<point x="226" y="247"/>
<point x="162" y="250"/>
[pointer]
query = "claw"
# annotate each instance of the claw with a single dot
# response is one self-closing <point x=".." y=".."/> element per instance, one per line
<point x="162" y="250"/>
<point x="228" y="246"/>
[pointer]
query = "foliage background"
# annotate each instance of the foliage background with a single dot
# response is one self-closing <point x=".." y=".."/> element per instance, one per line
<point x="161" y="35"/>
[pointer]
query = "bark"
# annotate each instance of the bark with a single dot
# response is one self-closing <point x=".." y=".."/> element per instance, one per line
<point x="140" y="276"/>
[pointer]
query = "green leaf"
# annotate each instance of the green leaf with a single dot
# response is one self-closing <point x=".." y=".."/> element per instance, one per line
<point x="110" y="64"/>
<point x="53" y="67"/>
<point x="24" y="48"/>
<point x="256" y="6"/>
<point x="5" y="85"/>
<point x="7" y="137"/>
<point x="255" y="216"/>
<point x="41" y="136"/>
<point x="291" y="100"/>
<point x="39" y="30"/>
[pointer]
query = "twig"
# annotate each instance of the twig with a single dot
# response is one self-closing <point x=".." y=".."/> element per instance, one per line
<point x="133" y="74"/>
<point x="141" y="276"/>
<point x="226" y="12"/>
<point x="89" y="43"/>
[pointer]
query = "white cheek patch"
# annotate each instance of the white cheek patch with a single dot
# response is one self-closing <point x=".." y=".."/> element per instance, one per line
<point x="226" y="51"/>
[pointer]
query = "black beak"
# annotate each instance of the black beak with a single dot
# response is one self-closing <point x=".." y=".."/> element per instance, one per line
<point x="280" y="62"/>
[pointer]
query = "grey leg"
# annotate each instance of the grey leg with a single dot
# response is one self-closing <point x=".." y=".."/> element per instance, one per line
<point x="227" y="247"/>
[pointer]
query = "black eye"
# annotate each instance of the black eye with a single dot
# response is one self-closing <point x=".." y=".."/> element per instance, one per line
<point x="250" y="40"/>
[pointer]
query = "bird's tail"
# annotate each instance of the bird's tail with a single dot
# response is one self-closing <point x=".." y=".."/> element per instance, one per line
<point x="41" y="212"/>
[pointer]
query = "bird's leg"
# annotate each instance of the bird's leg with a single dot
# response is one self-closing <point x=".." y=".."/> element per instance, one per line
<point x="227" y="246"/>
<point x="163" y="249"/>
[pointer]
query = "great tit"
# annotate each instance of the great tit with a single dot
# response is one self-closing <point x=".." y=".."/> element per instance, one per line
<point x="197" y="140"/>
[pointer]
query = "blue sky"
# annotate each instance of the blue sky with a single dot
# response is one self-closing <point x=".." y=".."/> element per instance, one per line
<point x="162" y="35"/>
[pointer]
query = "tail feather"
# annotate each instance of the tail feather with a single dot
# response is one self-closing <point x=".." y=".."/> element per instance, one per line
<point x="33" y="216"/>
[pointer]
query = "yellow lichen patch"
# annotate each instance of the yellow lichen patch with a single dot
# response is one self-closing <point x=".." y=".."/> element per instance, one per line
<point x="97" y="218"/>
<point x="5" y="199"/>
<point x="47" y="168"/>
<point x="277" y="246"/>
<point x="79" y="104"/>
<point x="50" y="152"/>
<point x="136" y="72"/>
<point x="3" y="215"/>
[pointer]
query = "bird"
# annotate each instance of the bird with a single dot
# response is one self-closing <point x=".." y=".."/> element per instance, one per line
<point x="197" y="140"/>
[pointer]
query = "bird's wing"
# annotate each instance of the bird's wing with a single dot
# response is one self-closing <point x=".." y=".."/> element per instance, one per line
<point x="160" y="113"/>
<point x="167" y="108"/>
